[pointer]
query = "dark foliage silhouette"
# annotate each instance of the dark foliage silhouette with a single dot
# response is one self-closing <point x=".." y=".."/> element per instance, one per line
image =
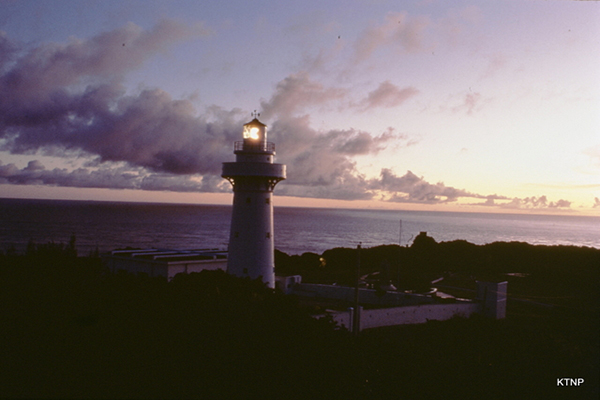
<point x="71" y="330"/>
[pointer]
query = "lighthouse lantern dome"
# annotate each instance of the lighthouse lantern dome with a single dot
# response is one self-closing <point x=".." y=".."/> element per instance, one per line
<point x="255" y="132"/>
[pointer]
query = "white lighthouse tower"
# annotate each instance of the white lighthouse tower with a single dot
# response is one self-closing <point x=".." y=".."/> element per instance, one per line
<point x="253" y="176"/>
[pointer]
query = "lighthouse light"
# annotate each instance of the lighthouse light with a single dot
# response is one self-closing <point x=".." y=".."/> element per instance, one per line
<point x="251" y="132"/>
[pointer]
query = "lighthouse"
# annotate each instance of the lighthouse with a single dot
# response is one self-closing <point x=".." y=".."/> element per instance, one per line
<point x="253" y="176"/>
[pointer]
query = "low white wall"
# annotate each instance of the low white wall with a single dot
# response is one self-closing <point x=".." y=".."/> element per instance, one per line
<point x="415" y="314"/>
<point x="407" y="315"/>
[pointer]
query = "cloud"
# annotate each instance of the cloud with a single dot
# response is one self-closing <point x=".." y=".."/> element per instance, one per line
<point x="320" y="164"/>
<point x="8" y="50"/>
<point x="149" y="129"/>
<point x="347" y="186"/>
<point x="179" y="183"/>
<point x="398" y="30"/>
<point x="65" y="99"/>
<point x="35" y="173"/>
<point x="355" y="142"/>
<point x="471" y="102"/>
<point x="48" y="68"/>
<point x="316" y="158"/>
<point x="387" y="95"/>
<point x="527" y="203"/>
<point x="60" y="97"/>
<point x="297" y="92"/>
<point x="410" y="188"/>
<point x="537" y="203"/>
<point x="109" y="176"/>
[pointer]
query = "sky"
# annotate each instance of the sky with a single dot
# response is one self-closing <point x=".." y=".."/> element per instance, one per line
<point x="475" y="106"/>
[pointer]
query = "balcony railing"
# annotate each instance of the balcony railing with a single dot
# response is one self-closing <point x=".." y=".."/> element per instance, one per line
<point x="260" y="147"/>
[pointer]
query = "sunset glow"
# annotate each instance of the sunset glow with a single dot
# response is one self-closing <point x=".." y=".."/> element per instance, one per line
<point x="419" y="105"/>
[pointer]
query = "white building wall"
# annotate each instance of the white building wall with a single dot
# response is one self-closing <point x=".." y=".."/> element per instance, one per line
<point x="490" y="301"/>
<point x="157" y="268"/>
<point x="406" y="315"/>
<point x="416" y="314"/>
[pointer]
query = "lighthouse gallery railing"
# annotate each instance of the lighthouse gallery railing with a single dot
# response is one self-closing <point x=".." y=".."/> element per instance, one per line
<point x="262" y="146"/>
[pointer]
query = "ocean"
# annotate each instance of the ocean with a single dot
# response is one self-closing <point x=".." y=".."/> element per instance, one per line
<point x="109" y="225"/>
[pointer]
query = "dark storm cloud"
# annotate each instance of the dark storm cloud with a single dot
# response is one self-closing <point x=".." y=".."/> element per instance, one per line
<point x="312" y="159"/>
<point x="316" y="158"/>
<point x="149" y="130"/>
<point x="64" y="99"/>
<point x="111" y="177"/>
<point x="60" y="98"/>
<point x="36" y="173"/>
<point x="67" y="97"/>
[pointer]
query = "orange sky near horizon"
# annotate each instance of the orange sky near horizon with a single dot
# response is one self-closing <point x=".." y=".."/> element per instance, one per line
<point x="468" y="105"/>
<point x="137" y="196"/>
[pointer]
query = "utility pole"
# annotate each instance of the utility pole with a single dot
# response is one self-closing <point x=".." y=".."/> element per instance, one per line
<point x="400" y="236"/>
<point x="399" y="261"/>
<point x="356" y="317"/>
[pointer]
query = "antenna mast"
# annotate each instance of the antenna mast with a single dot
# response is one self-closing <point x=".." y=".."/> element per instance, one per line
<point x="400" y="236"/>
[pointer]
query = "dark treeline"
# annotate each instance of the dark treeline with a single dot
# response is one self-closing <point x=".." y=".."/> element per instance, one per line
<point x="555" y="270"/>
<point x="71" y="330"/>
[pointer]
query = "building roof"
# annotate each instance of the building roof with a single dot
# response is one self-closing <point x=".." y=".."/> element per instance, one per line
<point x="167" y="256"/>
<point x="255" y="121"/>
